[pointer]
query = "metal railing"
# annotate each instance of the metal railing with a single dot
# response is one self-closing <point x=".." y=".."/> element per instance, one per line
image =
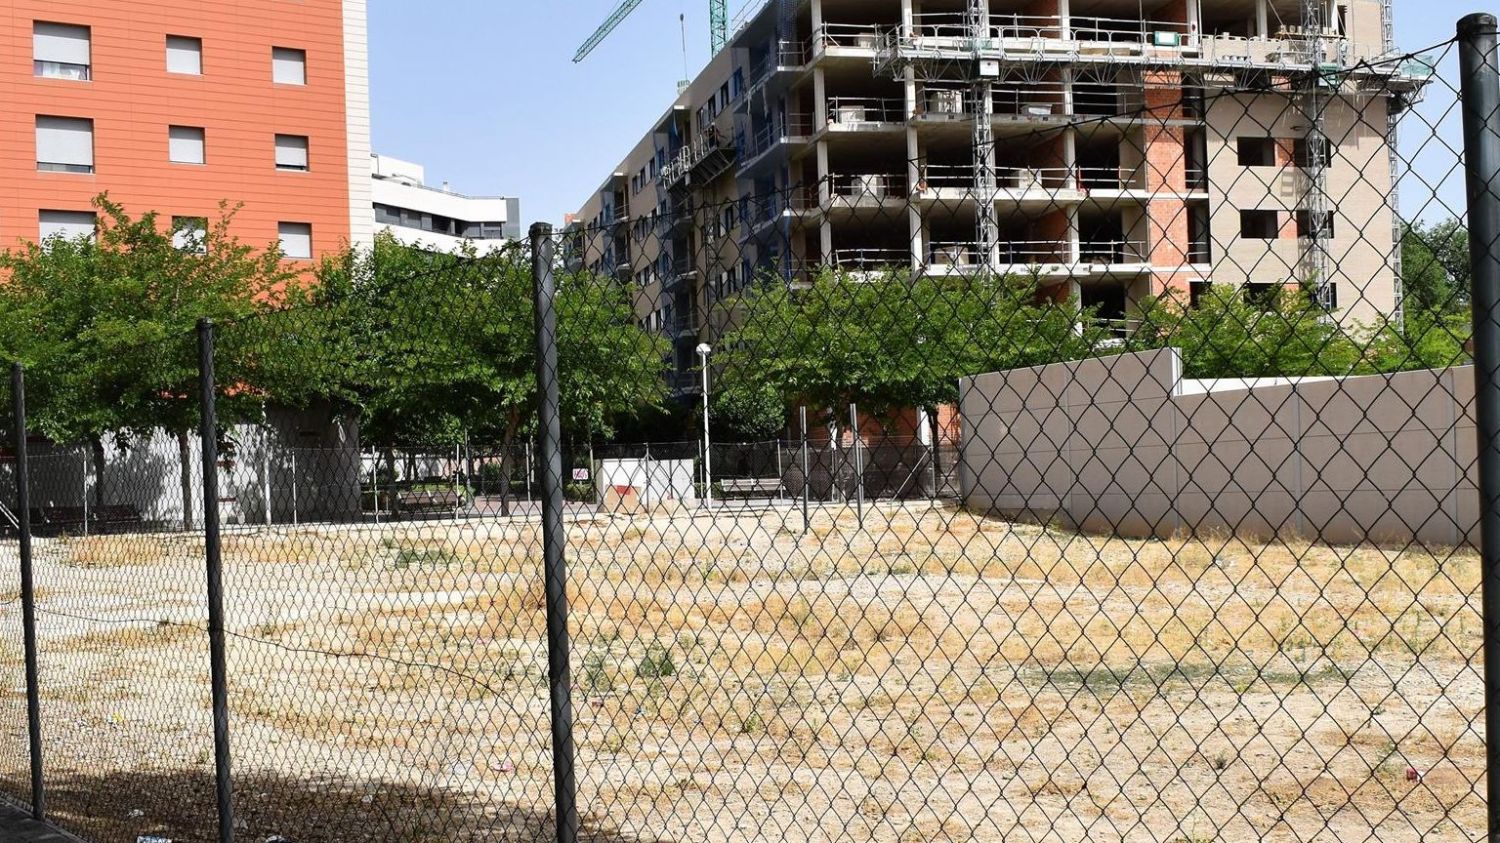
<point x="860" y="111"/>
<point x="858" y="186"/>
<point x="1114" y="252"/>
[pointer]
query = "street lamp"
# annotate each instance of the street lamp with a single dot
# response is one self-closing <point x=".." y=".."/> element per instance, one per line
<point x="704" y="349"/>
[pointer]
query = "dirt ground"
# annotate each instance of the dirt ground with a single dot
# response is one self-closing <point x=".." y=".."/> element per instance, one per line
<point x="932" y="676"/>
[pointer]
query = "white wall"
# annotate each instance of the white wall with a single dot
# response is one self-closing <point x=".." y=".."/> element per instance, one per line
<point x="304" y="466"/>
<point x="357" y="108"/>
<point x="1125" y="445"/>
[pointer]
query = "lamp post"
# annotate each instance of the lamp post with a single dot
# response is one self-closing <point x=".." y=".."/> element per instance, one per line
<point x="704" y="349"/>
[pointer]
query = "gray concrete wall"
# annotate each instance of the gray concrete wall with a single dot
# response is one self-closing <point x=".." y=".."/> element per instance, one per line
<point x="1126" y="445"/>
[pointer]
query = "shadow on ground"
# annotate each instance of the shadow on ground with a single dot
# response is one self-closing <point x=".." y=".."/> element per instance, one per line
<point x="119" y="808"/>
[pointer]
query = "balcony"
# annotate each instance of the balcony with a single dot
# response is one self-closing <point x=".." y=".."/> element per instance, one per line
<point x="702" y="161"/>
<point x="1114" y="252"/>
<point x="841" y="37"/>
<point x="1031" y="253"/>
<point x="856" y="113"/>
<point x="766" y="209"/>
<point x="784" y="57"/>
<point x="755" y="146"/>
<point x="867" y="189"/>
<point x="1111" y="178"/>
<point x="681" y="325"/>
<point x="870" y="260"/>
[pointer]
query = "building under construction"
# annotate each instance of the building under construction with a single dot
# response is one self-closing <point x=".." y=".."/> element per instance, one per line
<point x="1116" y="149"/>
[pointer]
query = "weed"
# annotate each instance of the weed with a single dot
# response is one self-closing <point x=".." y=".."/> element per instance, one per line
<point x="656" y="664"/>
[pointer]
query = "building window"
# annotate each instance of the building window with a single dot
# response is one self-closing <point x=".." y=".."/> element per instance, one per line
<point x="1256" y="152"/>
<point x="1302" y="152"/>
<point x="291" y="153"/>
<point x="1262" y="295"/>
<point x="1306" y="223"/>
<point x="288" y="66"/>
<point x="65" y="144"/>
<point x="65" y="225"/>
<point x="190" y="234"/>
<point x="185" y="145"/>
<point x="1259" y="225"/>
<point x="1197" y="290"/>
<point x="296" y="240"/>
<point x="60" y="51"/>
<point x="185" y="55"/>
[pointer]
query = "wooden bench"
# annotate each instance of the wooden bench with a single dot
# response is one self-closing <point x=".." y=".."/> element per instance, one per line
<point x="428" y="501"/>
<point x="769" y="487"/>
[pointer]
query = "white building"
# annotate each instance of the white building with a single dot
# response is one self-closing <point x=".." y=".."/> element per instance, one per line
<point x="438" y="217"/>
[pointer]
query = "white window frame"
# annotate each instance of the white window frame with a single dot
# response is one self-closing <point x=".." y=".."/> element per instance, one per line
<point x="297" y="159"/>
<point x="58" y="147"/>
<point x="283" y="60"/>
<point x="181" y="143"/>
<point x="190" y="234"/>
<point x="69" y="225"/>
<point x="56" y="52"/>
<point x="188" y="51"/>
<point x="303" y="234"/>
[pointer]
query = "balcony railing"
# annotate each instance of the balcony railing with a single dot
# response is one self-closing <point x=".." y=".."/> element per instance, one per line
<point x="1034" y="178"/>
<point x="942" y="253"/>
<point x="706" y="145"/>
<point x="847" y="35"/>
<point x="858" y="111"/>
<point x="870" y="260"/>
<point x="1114" y="252"/>
<point x="794" y="126"/>
<point x="785" y="55"/>
<point x="1112" y="178"/>
<point x="1034" y="252"/>
<point x="878" y="186"/>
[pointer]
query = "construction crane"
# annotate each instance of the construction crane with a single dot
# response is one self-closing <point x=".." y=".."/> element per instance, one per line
<point x="718" y="27"/>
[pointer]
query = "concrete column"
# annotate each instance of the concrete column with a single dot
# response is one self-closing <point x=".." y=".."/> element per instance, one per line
<point x="1070" y="155"/>
<point x="1262" y="18"/>
<point x="820" y="99"/>
<point x="914" y="213"/>
<point x="1064" y="19"/>
<point x="825" y="196"/>
<point x="1075" y="251"/>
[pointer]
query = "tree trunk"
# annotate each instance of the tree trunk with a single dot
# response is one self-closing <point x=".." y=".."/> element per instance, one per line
<point x="96" y="447"/>
<point x="185" y="460"/>
<point x="512" y="423"/>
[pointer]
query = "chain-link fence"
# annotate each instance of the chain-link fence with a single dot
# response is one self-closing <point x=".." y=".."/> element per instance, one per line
<point x="996" y="452"/>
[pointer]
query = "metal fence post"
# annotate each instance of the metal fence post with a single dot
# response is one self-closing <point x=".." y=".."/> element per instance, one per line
<point x="28" y="591"/>
<point x="859" y="466"/>
<point x="559" y="680"/>
<point x="1479" y="72"/>
<point x="208" y="435"/>
<point x="806" y="470"/>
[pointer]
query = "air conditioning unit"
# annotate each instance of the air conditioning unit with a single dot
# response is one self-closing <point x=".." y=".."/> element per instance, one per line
<point x="1028" y="178"/>
<point x="867" y="40"/>
<point x="847" y="114"/>
<point x="945" y="102"/>
<point x="870" y="184"/>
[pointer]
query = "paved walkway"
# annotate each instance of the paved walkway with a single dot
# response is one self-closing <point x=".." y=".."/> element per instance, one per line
<point x="17" y="827"/>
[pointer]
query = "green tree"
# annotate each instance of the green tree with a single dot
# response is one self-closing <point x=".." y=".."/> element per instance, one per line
<point x="1435" y="273"/>
<point x="106" y="328"/>
<point x="1233" y="332"/>
<point x="440" y="349"/>
<point x="892" y="341"/>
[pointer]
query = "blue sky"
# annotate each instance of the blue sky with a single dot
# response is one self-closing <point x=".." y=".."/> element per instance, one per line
<point x="485" y="94"/>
